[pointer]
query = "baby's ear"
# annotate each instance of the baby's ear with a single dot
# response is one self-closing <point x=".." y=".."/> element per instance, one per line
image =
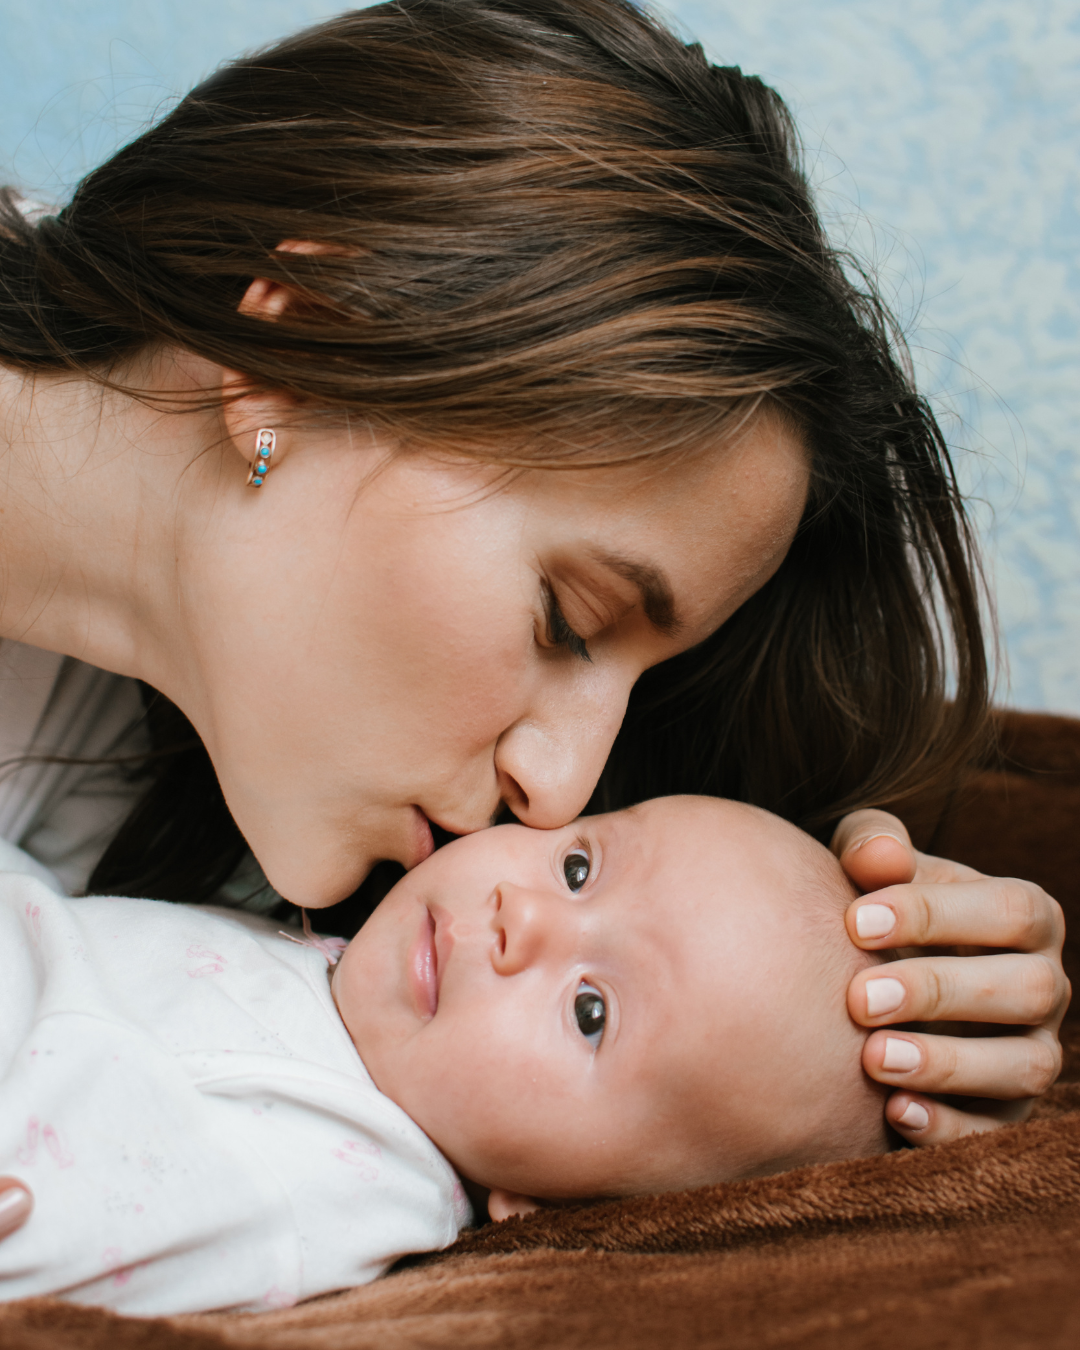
<point x="505" y="1204"/>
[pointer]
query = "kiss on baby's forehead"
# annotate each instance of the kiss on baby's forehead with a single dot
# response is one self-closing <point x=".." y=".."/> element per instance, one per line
<point x="642" y="1000"/>
<point x="639" y="1001"/>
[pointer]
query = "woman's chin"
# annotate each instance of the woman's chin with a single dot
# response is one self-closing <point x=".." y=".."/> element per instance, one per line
<point x="317" y="877"/>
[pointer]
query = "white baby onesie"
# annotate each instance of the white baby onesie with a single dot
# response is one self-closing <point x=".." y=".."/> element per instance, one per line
<point x="178" y="1090"/>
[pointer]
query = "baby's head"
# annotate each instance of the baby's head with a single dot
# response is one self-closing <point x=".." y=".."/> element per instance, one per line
<point x="642" y="1001"/>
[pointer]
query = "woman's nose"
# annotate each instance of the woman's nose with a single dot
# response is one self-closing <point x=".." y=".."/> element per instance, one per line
<point x="529" y="926"/>
<point x="549" y="762"/>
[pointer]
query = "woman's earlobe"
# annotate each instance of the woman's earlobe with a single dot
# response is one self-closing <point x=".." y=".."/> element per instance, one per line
<point x="505" y="1204"/>
<point x="249" y="415"/>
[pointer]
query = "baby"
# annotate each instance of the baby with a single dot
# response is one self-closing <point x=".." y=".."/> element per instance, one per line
<point x="643" y="1001"/>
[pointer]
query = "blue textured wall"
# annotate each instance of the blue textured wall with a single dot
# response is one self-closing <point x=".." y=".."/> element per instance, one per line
<point x="943" y="136"/>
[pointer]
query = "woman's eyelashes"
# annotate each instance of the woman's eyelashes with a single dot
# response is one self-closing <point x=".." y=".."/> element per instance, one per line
<point x="576" y="868"/>
<point x="560" y="634"/>
<point x="590" y="1013"/>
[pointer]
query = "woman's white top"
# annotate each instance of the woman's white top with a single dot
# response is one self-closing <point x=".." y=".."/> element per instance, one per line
<point x="54" y="708"/>
<point x="199" y="1132"/>
<point x="57" y="717"/>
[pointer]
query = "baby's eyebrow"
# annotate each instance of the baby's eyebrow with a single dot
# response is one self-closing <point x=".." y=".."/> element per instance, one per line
<point x="657" y="597"/>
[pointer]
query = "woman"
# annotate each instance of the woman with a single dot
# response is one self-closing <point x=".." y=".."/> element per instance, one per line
<point x="410" y="391"/>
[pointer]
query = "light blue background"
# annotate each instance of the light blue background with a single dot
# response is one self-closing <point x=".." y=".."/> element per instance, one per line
<point x="943" y="136"/>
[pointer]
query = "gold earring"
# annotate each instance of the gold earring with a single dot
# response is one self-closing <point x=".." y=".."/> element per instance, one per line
<point x="265" y="445"/>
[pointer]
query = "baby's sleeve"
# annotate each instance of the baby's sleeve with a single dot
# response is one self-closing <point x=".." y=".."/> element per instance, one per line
<point x="141" y="1202"/>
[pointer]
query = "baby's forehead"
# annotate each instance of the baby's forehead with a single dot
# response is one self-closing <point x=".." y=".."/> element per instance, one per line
<point x="708" y="861"/>
<point x="717" y="830"/>
<point x="747" y="957"/>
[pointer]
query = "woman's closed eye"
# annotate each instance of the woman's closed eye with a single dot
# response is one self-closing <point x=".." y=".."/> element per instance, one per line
<point x="559" y="633"/>
<point x="590" y="1013"/>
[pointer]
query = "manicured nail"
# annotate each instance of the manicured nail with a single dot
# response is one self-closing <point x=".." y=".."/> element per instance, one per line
<point x="15" y="1205"/>
<point x="874" y="921"/>
<point x="900" y="1056"/>
<point x="883" y="996"/>
<point x="915" y="1117"/>
<point x="881" y="834"/>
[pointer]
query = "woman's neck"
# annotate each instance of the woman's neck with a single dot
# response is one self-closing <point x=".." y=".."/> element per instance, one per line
<point x="92" y="483"/>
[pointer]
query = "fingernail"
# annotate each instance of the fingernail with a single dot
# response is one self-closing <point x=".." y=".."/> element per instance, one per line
<point x="874" y="921"/>
<point x="915" y="1117"/>
<point x="15" y="1205"/>
<point x="883" y="996"/>
<point x="900" y="1056"/>
<point x="881" y="834"/>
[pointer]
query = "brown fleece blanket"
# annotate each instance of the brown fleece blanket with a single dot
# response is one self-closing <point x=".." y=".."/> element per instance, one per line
<point x="974" y="1244"/>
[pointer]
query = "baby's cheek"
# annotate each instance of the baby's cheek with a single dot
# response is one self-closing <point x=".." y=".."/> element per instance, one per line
<point x="452" y="1094"/>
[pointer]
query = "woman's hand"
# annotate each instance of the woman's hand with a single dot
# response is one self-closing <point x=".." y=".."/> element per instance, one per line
<point x="16" y="1202"/>
<point x="915" y="901"/>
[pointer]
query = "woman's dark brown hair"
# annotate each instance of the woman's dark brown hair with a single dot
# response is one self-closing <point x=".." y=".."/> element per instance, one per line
<point x="561" y="237"/>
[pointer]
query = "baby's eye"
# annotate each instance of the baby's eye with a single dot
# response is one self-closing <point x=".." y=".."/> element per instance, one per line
<point x="590" y="1012"/>
<point x="576" y="868"/>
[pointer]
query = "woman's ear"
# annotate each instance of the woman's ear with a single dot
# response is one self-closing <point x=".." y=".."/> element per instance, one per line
<point x="246" y="411"/>
<point x="505" y="1204"/>
<point x="267" y="299"/>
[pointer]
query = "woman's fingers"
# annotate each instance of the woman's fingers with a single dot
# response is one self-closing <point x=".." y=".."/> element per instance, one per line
<point x="931" y="869"/>
<point x="1004" y="1067"/>
<point x="922" y="1120"/>
<point x="874" y="849"/>
<point x="16" y="1202"/>
<point x="912" y="902"/>
<point x="1013" y="988"/>
<point x="985" y="912"/>
<point x="1025" y="987"/>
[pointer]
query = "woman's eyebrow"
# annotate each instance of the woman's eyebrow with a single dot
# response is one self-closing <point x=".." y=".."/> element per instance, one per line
<point x="657" y="599"/>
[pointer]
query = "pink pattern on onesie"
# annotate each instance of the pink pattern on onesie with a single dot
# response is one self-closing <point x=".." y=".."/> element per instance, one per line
<point x="27" y="1155"/>
<point x="360" y="1156"/>
<point x="60" y="1154"/>
<point x="112" y="1259"/>
<point x="460" y="1202"/>
<point x="33" y="913"/>
<point x="215" y="963"/>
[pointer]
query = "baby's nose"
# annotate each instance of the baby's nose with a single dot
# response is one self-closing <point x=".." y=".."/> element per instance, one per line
<point x="529" y="926"/>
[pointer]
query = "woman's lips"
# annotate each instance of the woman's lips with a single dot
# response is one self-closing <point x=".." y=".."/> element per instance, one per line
<point x="424" y="969"/>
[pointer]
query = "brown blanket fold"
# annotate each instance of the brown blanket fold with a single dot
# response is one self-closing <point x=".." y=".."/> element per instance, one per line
<point x="975" y="1244"/>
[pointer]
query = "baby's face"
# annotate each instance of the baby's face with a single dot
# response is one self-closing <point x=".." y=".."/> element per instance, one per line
<point x="640" y="1001"/>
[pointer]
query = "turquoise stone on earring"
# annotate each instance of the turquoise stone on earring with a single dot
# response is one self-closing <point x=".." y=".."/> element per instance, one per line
<point x="265" y="444"/>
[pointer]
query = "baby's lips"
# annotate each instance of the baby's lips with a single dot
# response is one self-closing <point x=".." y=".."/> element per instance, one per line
<point x="422" y="963"/>
<point x="444" y="945"/>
